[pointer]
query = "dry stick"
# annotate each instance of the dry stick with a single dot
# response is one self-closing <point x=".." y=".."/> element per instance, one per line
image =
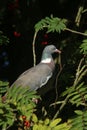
<point x="33" y="48"/>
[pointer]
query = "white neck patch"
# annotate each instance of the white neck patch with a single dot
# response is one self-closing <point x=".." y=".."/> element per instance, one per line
<point x="47" y="60"/>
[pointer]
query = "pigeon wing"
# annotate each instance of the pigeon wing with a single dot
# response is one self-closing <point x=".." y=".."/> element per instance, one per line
<point x="35" y="77"/>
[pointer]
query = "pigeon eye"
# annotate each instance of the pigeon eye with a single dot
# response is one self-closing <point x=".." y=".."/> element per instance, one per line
<point x="53" y="49"/>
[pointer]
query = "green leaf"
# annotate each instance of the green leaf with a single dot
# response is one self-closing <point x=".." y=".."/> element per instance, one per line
<point x="78" y="112"/>
<point x="75" y="97"/>
<point x="79" y="121"/>
<point x="55" y="122"/>
<point x="34" y="118"/>
<point x="47" y="121"/>
<point x="35" y="127"/>
<point x="62" y="126"/>
<point x="83" y="46"/>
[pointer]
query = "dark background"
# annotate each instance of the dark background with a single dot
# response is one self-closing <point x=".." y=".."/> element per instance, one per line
<point x="17" y="20"/>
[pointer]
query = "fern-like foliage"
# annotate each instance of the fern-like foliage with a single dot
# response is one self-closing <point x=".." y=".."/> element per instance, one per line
<point x="22" y="98"/>
<point x="83" y="47"/>
<point x="18" y="102"/>
<point x="7" y="117"/>
<point x="79" y="122"/>
<point x="52" y="24"/>
<point x="3" y="87"/>
<point x="3" y="39"/>
<point x="77" y="95"/>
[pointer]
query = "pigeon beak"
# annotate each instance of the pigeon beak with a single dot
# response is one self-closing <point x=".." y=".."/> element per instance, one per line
<point x="57" y="51"/>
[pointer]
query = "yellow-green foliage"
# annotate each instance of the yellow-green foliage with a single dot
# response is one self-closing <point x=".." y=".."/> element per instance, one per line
<point x="18" y="102"/>
<point x="48" y="124"/>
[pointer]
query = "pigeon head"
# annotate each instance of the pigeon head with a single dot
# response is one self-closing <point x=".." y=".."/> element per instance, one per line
<point x="47" y="53"/>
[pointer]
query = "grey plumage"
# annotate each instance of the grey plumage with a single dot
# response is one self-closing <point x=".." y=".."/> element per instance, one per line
<point x="38" y="76"/>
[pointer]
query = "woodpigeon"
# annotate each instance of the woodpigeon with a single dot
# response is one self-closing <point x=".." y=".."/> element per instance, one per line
<point x="38" y="76"/>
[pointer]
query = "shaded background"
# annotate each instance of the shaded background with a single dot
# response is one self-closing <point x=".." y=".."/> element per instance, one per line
<point x="17" y="20"/>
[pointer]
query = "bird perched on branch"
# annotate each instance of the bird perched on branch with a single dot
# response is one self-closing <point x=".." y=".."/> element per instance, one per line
<point x="38" y="76"/>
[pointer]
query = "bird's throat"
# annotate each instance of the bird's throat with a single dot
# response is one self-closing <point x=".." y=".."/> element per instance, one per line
<point x="47" y="60"/>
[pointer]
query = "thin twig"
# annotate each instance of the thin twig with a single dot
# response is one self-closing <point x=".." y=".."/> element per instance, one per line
<point x="33" y="47"/>
<point x="85" y="10"/>
<point x="81" y="71"/>
<point x="60" y="64"/>
<point x="61" y="107"/>
<point x="81" y="75"/>
<point x="77" y="73"/>
<point x="57" y="83"/>
<point x="73" y="31"/>
<point x="56" y="87"/>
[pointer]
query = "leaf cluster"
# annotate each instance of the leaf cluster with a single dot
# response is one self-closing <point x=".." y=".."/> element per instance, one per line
<point x="3" y="87"/>
<point x="77" y="95"/>
<point x="18" y="102"/>
<point x="79" y="122"/>
<point x="52" y="24"/>
<point x="83" y="47"/>
<point x="48" y="124"/>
